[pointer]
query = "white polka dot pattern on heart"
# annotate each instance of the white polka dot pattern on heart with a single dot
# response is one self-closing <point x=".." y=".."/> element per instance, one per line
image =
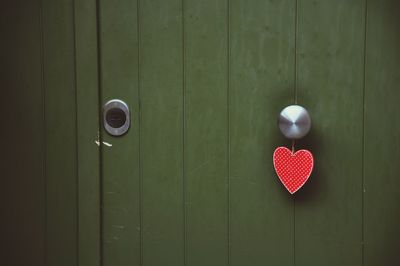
<point x="293" y="169"/>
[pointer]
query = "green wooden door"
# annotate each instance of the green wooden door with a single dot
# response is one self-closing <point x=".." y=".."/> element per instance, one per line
<point x="192" y="182"/>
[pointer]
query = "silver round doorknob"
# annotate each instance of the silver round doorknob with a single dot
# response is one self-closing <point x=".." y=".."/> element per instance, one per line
<point x="294" y="122"/>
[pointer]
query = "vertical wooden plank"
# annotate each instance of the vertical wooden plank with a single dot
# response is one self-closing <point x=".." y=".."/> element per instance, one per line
<point x="206" y="127"/>
<point x="87" y="128"/>
<point x="120" y="155"/>
<point x="382" y="131"/>
<point x="161" y="96"/>
<point x="61" y="152"/>
<point x="262" y="80"/>
<point x="22" y="189"/>
<point x="330" y="85"/>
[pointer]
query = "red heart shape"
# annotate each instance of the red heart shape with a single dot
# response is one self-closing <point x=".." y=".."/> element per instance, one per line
<point x="293" y="169"/>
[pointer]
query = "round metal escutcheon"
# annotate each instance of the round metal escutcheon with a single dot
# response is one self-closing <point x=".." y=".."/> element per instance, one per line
<point x="116" y="117"/>
<point x="294" y="122"/>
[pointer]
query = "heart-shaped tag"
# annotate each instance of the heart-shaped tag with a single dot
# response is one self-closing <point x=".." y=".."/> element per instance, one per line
<point x="293" y="169"/>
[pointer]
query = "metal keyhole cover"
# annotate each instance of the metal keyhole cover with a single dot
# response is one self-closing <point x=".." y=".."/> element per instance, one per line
<point x="116" y="117"/>
<point x="294" y="122"/>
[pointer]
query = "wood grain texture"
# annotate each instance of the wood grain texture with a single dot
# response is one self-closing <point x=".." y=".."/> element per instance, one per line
<point x="382" y="130"/>
<point x="120" y="162"/>
<point x="61" y="142"/>
<point x="161" y="131"/>
<point x="206" y="131"/>
<point x="330" y="85"/>
<point x="87" y="107"/>
<point x="262" y="80"/>
<point x="22" y="134"/>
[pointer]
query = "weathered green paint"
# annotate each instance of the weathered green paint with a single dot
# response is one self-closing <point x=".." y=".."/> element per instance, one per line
<point x="206" y="131"/>
<point x="330" y="64"/>
<point x="118" y="37"/>
<point x="161" y="131"/>
<point x="192" y="182"/>
<point x="87" y="132"/>
<point x="60" y="123"/>
<point x="261" y="83"/>
<point x="382" y="131"/>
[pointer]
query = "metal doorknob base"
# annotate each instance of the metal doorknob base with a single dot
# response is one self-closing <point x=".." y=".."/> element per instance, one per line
<point x="116" y="117"/>
<point x="294" y="122"/>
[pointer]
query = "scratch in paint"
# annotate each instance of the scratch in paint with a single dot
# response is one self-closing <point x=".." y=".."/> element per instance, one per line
<point x="97" y="141"/>
<point x="105" y="143"/>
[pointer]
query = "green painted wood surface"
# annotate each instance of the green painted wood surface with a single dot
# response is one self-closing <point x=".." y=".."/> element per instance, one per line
<point x="261" y="83"/>
<point x="40" y="154"/>
<point x="192" y="182"/>
<point x="161" y="132"/>
<point x="121" y="225"/>
<point x="206" y="132"/>
<point x="61" y="144"/>
<point x="268" y="62"/>
<point x="87" y="107"/>
<point x="330" y="65"/>
<point x="382" y="130"/>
